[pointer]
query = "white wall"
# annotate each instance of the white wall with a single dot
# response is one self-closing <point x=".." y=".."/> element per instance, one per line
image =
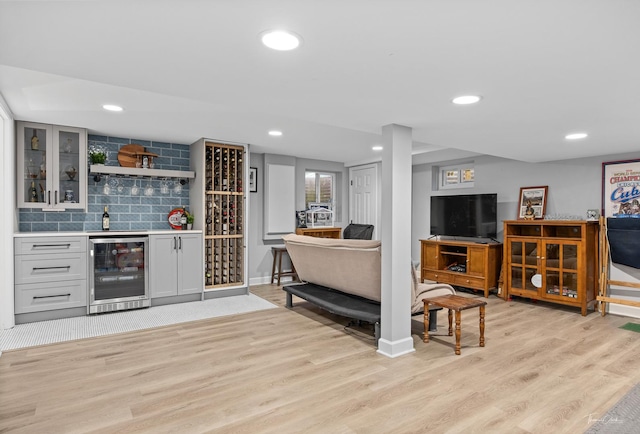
<point x="574" y="187"/>
<point x="8" y="216"/>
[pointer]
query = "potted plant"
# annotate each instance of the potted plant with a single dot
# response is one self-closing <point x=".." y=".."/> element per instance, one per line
<point x="97" y="156"/>
<point x="189" y="221"/>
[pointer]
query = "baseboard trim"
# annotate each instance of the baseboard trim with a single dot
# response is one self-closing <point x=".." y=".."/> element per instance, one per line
<point x="394" y="349"/>
<point x="266" y="280"/>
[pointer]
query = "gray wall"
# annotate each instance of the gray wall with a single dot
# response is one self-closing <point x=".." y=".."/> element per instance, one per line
<point x="260" y="257"/>
<point x="574" y="187"/>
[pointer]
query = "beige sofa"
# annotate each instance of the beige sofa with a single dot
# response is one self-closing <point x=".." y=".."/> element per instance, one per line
<point x="344" y="277"/>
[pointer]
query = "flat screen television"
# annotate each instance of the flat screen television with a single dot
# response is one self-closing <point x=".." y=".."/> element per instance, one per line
<point x="465" y="215"/>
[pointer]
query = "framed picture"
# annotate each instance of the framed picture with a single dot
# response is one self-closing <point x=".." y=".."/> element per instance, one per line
<point x="621" y="188"/>
<point x="533" y="202"/>
<point x="253" y="179"/>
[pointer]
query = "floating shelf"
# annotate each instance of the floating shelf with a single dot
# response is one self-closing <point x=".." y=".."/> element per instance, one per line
<point x="101" y="169"/>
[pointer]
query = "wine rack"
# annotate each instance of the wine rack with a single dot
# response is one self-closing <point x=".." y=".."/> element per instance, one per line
<point x="224" y="214"/>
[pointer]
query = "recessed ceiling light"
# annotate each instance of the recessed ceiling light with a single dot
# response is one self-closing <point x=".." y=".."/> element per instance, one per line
<point x="281" y="40"/>
<point x="275" y="133"/>
<point x="112" y="108"/>
<point x="466" y="99"/>
<point x="575" y="136"/>
<point x="377" y="148"/>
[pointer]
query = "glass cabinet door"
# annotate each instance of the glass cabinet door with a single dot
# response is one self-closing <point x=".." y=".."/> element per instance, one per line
<point x="524" y="265"/>
<point x="69" y="182"/>
<point x="32" y="176"/>
<point x="561" y="270"/>
<point x="52" y="166"/>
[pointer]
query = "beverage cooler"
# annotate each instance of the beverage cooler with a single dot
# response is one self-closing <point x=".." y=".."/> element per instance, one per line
<point x="119" y="274"/>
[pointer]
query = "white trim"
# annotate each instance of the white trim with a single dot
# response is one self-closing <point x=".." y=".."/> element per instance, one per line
<point x="8" y="219"/>
<point x="395" y="349"/>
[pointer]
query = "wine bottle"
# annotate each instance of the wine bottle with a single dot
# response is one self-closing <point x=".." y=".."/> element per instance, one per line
<point x="183" y="219"/>
<point x="105" y="219"/>
<point x="35" y="142"/>
<point x="33" y="193"/>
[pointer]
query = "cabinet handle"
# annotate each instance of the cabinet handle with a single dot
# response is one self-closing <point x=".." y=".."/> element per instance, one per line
<point x="175" y="244"/>
<point x="180" y="238"/>
<point x="66" y="267"/>
<point x="48" y="197"/>
<point x="51" y="296"/>
<point x="51" y="246"/>
<point x="56" y="197"/>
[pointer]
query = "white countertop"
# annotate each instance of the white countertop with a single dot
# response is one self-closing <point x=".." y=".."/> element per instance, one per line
<point x="105" y="233"/>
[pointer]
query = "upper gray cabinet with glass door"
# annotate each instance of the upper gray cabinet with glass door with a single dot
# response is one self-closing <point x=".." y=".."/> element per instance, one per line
<point x="52" y="167"/>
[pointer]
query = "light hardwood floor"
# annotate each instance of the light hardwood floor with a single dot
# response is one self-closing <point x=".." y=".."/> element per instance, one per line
<point x="544" y="369"/>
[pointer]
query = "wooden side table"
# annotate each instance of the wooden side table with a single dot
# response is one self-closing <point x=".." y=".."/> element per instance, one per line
<point x="457" y="303"/>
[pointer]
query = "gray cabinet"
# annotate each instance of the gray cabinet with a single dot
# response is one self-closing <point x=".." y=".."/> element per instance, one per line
<point x="175" y="264"/>
<point x="52" y="167"/>
<point x="50" y="273"/>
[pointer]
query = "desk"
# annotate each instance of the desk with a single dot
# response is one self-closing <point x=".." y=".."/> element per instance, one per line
<point x="324" y="232"/>
<point x="457" y="303"/>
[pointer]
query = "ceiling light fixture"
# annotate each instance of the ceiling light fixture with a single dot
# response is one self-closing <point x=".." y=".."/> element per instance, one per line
<point x="280" y="40"/>
<point x="377" y="148"/>
<point x="275" y="133"/>
<point x="112" y="108"/>
<point x="466" y="99"/>
<point x="575" y="136"/>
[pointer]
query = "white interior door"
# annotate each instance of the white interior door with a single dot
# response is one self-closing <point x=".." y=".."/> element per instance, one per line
<point x="363" y="196"/>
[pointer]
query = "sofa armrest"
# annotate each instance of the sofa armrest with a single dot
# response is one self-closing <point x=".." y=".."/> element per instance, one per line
<point x="429" y="290"/>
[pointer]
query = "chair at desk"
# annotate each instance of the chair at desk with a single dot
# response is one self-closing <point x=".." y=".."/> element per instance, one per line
<point x="358" y="231"/>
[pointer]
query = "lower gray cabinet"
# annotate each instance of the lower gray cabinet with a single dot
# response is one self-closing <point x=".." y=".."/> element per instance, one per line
<point x="50" y="273"/>
<point x="176" y="264"/>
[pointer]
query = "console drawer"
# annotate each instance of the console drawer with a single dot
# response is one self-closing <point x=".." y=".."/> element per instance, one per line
<point x="469" y="282"/>
<point x="438" y="276"/>
<point x="50" y="245"/>
<point x="50" y="268"/>
<point x="37" y="297"/>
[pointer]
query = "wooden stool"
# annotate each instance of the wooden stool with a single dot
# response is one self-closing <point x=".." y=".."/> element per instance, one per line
<point x="457" y="303"/>
<point x="277" y="263"/>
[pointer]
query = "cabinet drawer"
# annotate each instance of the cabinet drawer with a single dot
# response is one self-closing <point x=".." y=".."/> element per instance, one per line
<point x="51" y="268"/>
<point x="50" y="245"/>
<point x="37" y="297"/>
<point x="439" y="276"/>
<point x="469" y="282"/>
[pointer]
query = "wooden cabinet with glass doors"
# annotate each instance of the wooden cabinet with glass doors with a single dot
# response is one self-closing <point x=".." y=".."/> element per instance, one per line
<point x="552" y="260"/>
<point x="218" y="203"/>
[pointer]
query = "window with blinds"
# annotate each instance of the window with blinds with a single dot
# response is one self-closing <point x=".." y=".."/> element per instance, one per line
<point x="319" y="187"/>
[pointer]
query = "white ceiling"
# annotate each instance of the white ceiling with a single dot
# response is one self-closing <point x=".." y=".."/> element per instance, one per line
<point x="189" y="69"/>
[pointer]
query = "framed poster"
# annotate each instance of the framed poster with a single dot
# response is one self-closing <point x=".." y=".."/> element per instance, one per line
<point x="533" y="202"/>
<point x="621" y="188"/>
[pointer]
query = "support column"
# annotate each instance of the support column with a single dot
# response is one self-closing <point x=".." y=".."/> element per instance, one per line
<point x="396" y="337"/>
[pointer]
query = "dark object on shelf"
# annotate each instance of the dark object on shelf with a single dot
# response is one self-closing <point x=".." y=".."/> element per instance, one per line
<point x="623" y="241"/>
<point x="358" y="231"/>
<point x="301" y="219"/>
<point x="458" y="268"/>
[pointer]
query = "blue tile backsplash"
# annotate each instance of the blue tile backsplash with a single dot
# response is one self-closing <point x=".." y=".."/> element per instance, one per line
<point x="126" y="211"/>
